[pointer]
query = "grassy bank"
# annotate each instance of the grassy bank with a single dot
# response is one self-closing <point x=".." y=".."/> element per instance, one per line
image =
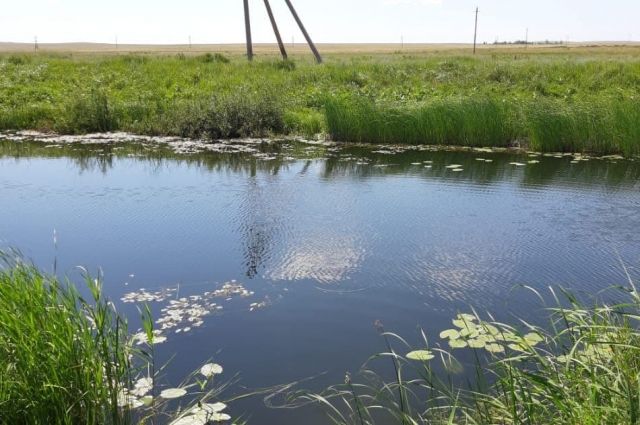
<point x="599" y="125"/>
<point x="67" y="359"/>
<point x="581" y="368"/>
<point x="576" y="99"/>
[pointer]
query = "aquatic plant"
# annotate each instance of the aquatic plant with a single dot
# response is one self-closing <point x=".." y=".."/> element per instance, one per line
<point x="583" y="368"/>
<point x="66" y="359"/>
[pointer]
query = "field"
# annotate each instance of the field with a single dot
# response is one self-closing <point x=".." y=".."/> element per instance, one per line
<point x="549" y="98"/>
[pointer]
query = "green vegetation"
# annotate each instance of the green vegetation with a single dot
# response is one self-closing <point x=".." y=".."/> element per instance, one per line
<point x="583" y="368"/>
<point x="68" y="360"/>
<point x="549" y="126"/>
<point x="580" y="99"/>
<point x="59" y="356"/>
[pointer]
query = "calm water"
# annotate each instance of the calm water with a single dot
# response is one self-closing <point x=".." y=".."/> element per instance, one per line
<point x="328" y="239"/>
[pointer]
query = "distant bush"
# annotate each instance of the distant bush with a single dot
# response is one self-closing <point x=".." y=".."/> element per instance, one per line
<point x="238" y="114"/>
<point x="18" y="59"/>
<point x="285" y="65"/>
<point x="216" y="57"/>
<point x="89" y="113"/>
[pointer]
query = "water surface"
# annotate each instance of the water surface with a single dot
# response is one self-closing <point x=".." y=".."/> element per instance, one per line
<point x="325" y="239"/>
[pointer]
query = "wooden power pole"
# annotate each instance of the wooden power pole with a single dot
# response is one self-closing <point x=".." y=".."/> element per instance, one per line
<point x="304" y="31"/>
<point x="475" y="33"/>
<point x="247" y="25"/>
<point x="283" y="51"/>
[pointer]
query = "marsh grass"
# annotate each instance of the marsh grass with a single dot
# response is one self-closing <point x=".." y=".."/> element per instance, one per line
<point x="90" y="112"/>
<point x="582" y="368"/>
<point x="596" y="126"/>
<point x="240" y="114"/>
<point x="585" y="101"/>
<point x="546" y="125"/>
<point x="452" y="122"/>
<point x="66" y="359"/>
<point x="62" y="359"/>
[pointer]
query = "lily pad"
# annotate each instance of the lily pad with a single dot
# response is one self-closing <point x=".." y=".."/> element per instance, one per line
<point x="494" y="348"/>
<point x="142" y="387"/>
<point x="173" y="393"/>
<point x="210" y="369"/>
<point x="533" y="338"/>
<point x="457" y="343"/>
<point x="477" y="343"/>
<point x="450" y="334"/>
<point x="420" y="355"/>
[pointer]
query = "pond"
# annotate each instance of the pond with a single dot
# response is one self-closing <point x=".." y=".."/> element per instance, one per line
<point x="288" y="251"/>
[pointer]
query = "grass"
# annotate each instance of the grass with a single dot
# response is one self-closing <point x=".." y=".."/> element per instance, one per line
<point x="65" y="359"/>
<point x="548" y="99"/>
<point x="582" y="368"/>
<point x="62" y="360"/>
<point x="600" y="126"/>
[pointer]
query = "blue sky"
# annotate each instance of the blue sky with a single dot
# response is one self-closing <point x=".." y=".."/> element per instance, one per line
<point x="220" y="21"/>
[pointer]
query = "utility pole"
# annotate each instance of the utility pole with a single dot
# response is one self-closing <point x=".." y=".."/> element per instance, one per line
<point x="526" y="39"/>
<point x="283" y="51"/>
<point x="35" y="43"/>
<point x="401" y="42"/>
<point x="116" y="42"/>
<point x="189" y="42"/>
<point x="304" y="31"/>
<point x="475" y="33"/>
<point x="247" y="24"/>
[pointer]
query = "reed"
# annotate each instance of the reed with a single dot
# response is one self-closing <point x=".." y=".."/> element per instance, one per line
<point x="66" y="359"/>
<point x="583" y="367"/>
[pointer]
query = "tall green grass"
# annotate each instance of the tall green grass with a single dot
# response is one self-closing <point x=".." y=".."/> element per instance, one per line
<point x="582" y="368"/>
<point x="599" y="126"/>
<point x="570" y="101"/>
<point x="66" y="359"/>
<point x="453" y="122"/>
<point x="62" y="359"/>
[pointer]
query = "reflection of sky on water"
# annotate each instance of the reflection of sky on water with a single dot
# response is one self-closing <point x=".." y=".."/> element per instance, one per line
<point x="324" y="258"/>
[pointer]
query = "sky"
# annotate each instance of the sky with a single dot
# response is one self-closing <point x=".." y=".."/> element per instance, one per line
<point x="328" y="21"/>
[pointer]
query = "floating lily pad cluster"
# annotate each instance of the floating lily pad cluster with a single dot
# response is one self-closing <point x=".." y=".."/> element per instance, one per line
<point x="200" y="414"/>
<point x="189" y="311"/>
<point x="230" y="289"/>
<point x="142" y="338"/>
<point x="203" y="414"/>
<point x="472" y="333"/>
<point x="138" y="396"/>
<point x="186" y="313"/>
<point x="587" y="353"/>
<point x="262" y="304"/>
<point x="142" y="295"/>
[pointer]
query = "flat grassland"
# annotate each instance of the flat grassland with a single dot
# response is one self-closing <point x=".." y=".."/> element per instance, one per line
<point x="576" y="97"/>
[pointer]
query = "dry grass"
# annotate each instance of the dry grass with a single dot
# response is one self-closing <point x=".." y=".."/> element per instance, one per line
<point x="301" y="49"/>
